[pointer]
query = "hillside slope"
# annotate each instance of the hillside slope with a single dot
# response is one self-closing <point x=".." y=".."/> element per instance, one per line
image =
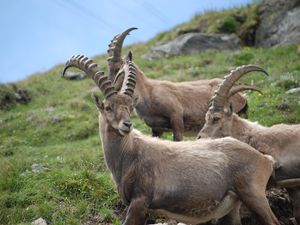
<point x="58" y="131"/>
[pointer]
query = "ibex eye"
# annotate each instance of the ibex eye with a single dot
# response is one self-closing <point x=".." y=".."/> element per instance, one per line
<point x="215" y="119"/>
<point x="108" y="109"/>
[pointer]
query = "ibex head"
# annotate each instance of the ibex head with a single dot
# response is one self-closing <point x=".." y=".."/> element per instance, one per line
<point x="117" y="106"/>
<point x="218" y="119"/>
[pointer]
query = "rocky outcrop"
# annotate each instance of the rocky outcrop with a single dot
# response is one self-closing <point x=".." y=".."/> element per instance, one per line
<point x="11" y="94"/>
<point x="194" y="43"/>
<point x="280" y="23"/>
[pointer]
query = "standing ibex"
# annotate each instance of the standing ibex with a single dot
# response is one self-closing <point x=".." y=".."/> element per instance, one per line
<point x="193" y="181"/>
<point x="280" y="141"/>
<point x="165" y="105"/>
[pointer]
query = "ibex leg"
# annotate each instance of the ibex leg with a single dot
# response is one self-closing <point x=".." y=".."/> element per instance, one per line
<point x="156" y="133"/>
<point x="137" y="212"/>
<point x="233" y="218"/>
<point x="177" y="127"/>
<point x="294" y="194"/>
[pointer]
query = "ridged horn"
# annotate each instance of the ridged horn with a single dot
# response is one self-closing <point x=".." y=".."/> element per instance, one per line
<point x="90" y="68"/>
<point x="289" y="183"/>
<point x="130" y="76"/>
<point x="221" y="95"/>
<point x="114" y="52"/>
<point x="242" y="87"/>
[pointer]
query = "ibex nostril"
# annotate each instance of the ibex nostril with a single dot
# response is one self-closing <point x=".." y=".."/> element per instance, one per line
<point x="127" y="124"/>
<point x="201" y="135"/>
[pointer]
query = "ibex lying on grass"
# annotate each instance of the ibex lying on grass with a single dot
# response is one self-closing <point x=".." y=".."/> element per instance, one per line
<point x="193" y="181"/>
<point x="165" y="105"/>
<point x="280" y="141"/>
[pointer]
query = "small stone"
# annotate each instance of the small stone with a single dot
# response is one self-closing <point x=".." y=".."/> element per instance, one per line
<point x="50" y="109"/>
<point x="293" y="91"/>
<point x="74" y="76"/>
<point x="37" y="168"/>
<point x="56" y="118"/>
<point x="39" y="221"/>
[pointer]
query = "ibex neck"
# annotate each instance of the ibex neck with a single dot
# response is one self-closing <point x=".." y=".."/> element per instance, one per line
<point x="114" y="146"/>
<point x="143" y="85"/>
<point x="245" y="130"/>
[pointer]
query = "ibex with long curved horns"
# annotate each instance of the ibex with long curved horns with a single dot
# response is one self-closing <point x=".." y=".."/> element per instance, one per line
<point x="193" y="181"/>
<point x="165" y="105"/>
<point x="280" y="141"/>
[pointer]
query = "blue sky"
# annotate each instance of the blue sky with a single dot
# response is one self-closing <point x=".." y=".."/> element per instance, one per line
<point x="38" y="34"/>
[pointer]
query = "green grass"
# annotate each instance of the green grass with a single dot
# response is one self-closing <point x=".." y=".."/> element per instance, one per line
<point x="59" y="130"/>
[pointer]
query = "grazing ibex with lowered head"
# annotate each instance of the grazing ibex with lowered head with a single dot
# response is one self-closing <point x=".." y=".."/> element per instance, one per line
<point x="280" y="141"/>
<point x="192" y="181"/>
<point x="164" y="105"/>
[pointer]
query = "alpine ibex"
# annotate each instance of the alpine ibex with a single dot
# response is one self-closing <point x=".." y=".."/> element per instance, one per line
<point x="280" y="141"/>
<point x="192" y="181"/>
<point x="165" y="105"/>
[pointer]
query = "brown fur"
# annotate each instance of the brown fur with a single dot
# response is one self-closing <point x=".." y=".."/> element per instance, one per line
<point x="192" y="181"/>
<point x="187" y="180"/>
<point x="177" y="107"/>
<point x="280" y="141"/>
<point x="165" y="105"/>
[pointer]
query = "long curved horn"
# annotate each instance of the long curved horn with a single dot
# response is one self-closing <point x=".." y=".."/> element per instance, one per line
<point x="89" y="67"/>
<point x="242" y="87"/>
<point x="114" y="52"/>
<point x="289" y="183"/>
<point x="220" y="97"/>
<point x="130" y="76"/>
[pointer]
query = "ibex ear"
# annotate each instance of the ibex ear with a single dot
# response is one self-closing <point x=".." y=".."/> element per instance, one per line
<point x="129" y="56"/>
<point x="118" y="81"/>
<point x="97" y="101"/>
<point x="229" y="109"/>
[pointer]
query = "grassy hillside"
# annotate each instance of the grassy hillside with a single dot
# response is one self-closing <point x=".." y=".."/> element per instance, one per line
<point x="58" y="129"/>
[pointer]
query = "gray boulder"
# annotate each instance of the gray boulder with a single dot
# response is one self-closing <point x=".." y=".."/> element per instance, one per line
<point x="280" y="23"/>
<point x="194" y="43"/>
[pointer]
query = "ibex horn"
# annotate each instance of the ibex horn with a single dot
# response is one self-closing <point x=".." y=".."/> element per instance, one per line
<point x="221" y="95"/>
<point x="114" y="53"/>
<point x="242" y="87"/>
<point x="130" y="76"/>
<point x="90" y="68"/>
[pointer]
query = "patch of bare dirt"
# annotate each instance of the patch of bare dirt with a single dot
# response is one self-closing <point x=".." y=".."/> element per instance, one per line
<point x="280" y="205"/>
